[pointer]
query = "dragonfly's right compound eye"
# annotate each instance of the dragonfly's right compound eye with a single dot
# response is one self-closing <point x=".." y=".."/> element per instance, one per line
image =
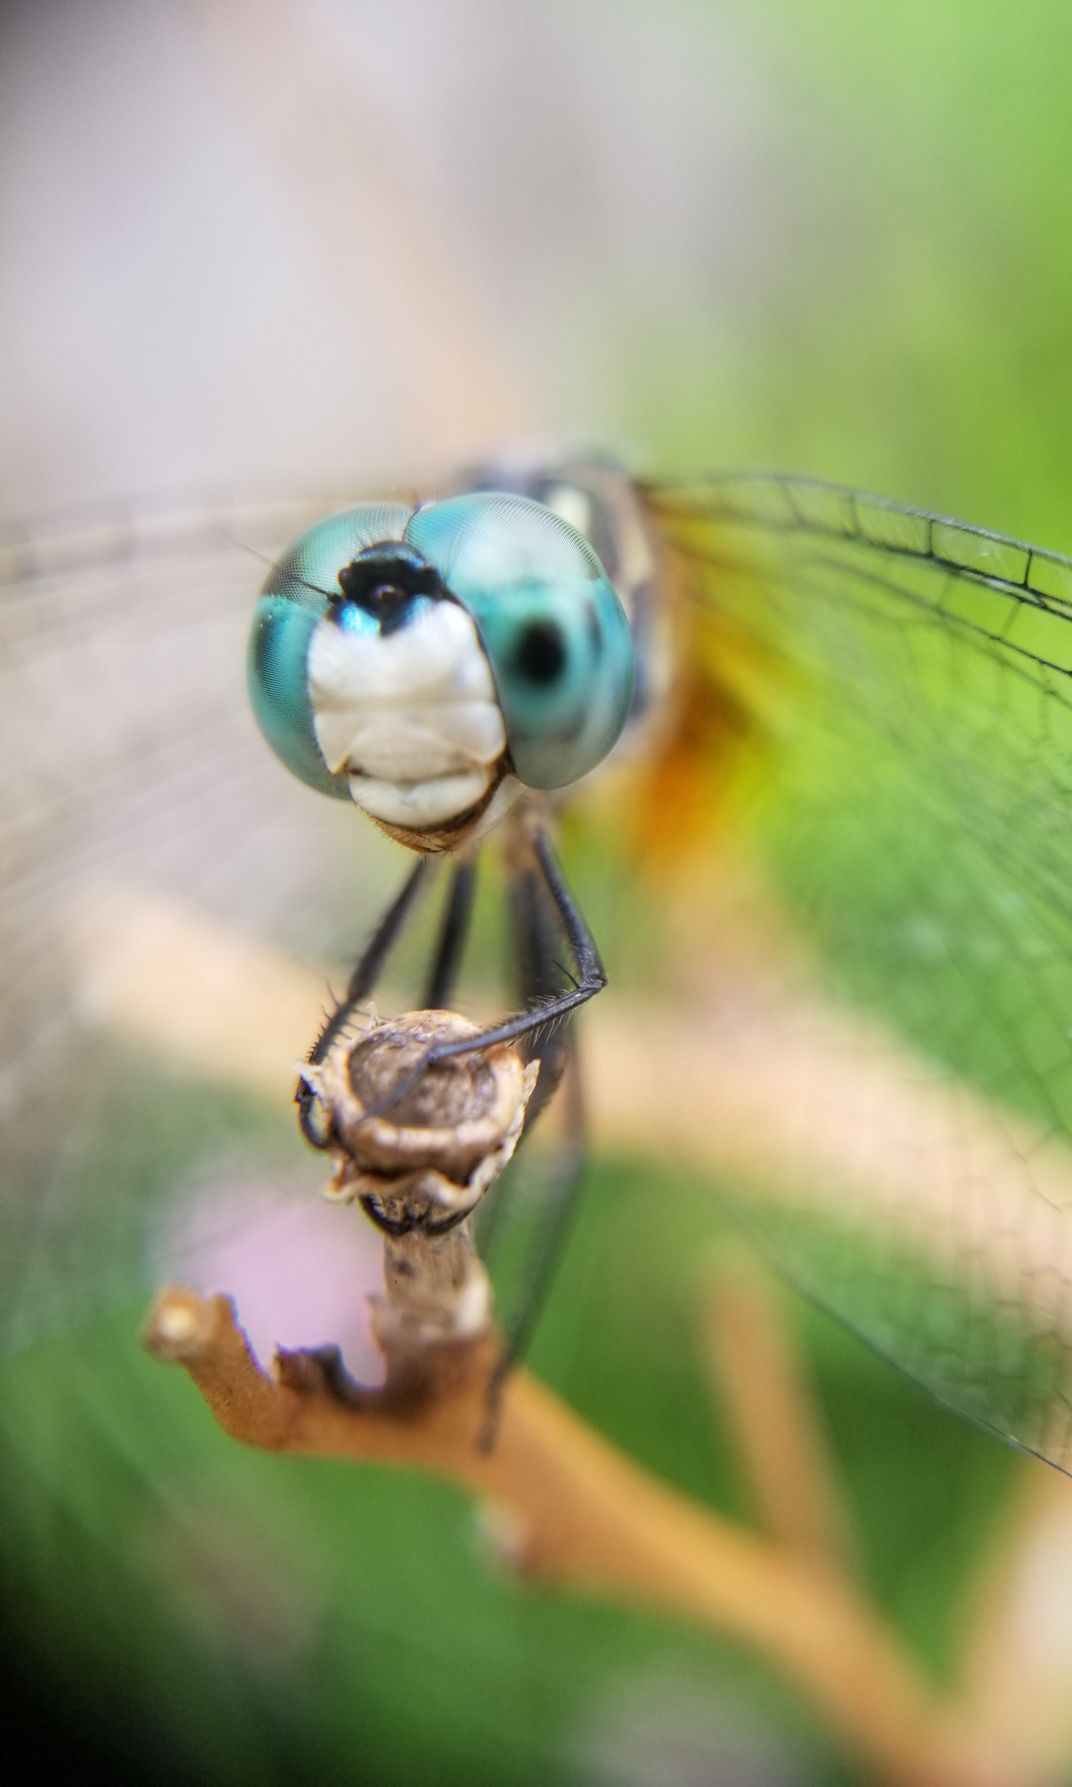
<point x="303" y="589"/>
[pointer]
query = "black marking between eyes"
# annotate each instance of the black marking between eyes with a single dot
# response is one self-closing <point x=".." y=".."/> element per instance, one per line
<point x="384" y="580"/>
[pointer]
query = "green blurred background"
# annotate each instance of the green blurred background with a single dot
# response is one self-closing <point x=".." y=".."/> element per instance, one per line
<point x="827" y="237"/>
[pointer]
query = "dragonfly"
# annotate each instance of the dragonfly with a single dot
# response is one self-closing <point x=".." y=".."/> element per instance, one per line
<point x="858" y="709"/>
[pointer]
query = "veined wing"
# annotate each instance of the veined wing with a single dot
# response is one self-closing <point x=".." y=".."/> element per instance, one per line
<point x="910" y="800"/>
<point x="135" y="790"/>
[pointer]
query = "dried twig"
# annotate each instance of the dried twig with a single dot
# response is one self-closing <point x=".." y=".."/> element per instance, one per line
<point x="584" y="1516"/>
<point x="581" y="1514"/>
<point x="577" y="1512"/>
<point x="778" y="1438"/>
<point x="1016" y="1669"/>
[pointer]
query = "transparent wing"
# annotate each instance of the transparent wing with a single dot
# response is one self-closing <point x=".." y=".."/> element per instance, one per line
<point x="160" y="881"/>
<point x="909" y="797"/>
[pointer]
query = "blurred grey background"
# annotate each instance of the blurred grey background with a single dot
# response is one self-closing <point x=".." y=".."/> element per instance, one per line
<point x="269" y="242"/>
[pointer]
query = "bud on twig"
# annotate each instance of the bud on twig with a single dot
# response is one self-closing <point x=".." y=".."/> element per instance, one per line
<point x="418" y="1146"/>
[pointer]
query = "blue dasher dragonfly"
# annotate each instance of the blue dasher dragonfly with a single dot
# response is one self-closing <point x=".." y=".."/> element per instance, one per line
<point x="837" y="727"/>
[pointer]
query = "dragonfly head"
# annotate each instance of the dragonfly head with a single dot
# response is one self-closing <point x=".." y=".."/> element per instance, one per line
<point x="413" y="660"/>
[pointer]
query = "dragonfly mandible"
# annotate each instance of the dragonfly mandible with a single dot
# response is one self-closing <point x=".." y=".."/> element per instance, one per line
<point x="875" y="701"/>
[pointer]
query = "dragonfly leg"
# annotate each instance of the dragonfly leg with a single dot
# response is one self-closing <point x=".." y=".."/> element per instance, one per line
<point x="560" y="1192"/>
<point x="542" y="1015"/>
<point x="539" y="979"/>
<point x="452" y="938"/>
<point x="362" y="981"/>
<point x="539" y="976"/>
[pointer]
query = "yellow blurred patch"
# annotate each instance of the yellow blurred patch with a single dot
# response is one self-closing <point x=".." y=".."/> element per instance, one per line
<point x="716" y="729"/>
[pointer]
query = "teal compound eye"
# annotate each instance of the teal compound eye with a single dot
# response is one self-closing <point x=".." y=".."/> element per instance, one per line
<point x="295" y="598"/>
<point x="550" y="621"/>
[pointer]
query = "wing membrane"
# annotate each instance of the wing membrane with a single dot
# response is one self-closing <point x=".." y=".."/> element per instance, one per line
<point x="910" y="800"/>
<point x="132" y="781"/>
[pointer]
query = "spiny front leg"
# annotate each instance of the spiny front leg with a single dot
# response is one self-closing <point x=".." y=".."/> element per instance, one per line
<point x="543" y="1013"/>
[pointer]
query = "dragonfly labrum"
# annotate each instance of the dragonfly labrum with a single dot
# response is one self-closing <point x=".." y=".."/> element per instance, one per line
<point x="821" y="741"/>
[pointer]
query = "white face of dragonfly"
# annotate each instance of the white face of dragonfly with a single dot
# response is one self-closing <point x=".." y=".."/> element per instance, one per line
<point x="418" y="661"/>
<point x="409" y="716"/>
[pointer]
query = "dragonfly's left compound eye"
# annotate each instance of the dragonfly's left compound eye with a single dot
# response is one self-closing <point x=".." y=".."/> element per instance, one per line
<point x="554" y="631"/>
